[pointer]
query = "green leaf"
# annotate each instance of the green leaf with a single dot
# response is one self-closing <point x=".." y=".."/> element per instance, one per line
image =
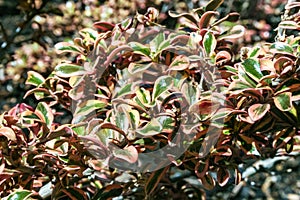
<point x="289" y="25"/>
<point x="89" y="106"/>
<point x="34" y="78"/>
<point x="235" y="32"/>
<point x="191" y="92"/>
<point x="254" y="52"/>
<point x="19" y="195"/>
<point x="243" y="76"/>
<point x="209" y="43"/>
<point x="237" y="87"/>
<point x="181" y="62"/>
<point x="151" y="128"/>
<point x="138" y="67"/>
<point x="258" y="111"/>
<point x="135" y="118"/>
<point x="161" y="85"/>
<point x="68" y="70"/>
<point x="154" y="179"/>
<point x="213" y="5"/>
<point x="122" y="121"/>
<point x="144" y="96"/>
<point x="166" y="122"/>
<point x="139" y="48"/>
<point x="281" y="47"/>
<point x="66" y="47"/>
<point x="79" y="130"/>
<point x="129" y="154"/>
<point x="44" y="112"/>
<point x="88" y="33"/>
<point x="252" y="68"/>
<point x="283" y="101"/>
<point x="126" y="89"/>
<point x="158" y="44"/>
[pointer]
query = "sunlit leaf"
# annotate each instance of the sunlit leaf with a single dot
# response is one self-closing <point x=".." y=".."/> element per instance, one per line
<point x="34" y="78"/>
<point x="252" y="68"/>
<point x="231" y="17"/>
<point x="89" y="106"/>
<point x="8" y="133"/>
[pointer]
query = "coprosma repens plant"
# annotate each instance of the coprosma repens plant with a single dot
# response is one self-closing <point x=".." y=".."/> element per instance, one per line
<point x="136" y="88"/>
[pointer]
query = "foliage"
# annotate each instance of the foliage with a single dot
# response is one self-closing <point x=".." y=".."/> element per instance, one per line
<point x="222" y="109"/>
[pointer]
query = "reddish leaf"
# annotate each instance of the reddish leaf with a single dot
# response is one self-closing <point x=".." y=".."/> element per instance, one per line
<point x="222" y="57"/>
<point x="103" y="26"/>
<point x="201" y="168"/>
<point x="222" y="176"/>
<point x="205" y="19"/>
<point x="154" y="180"/>
<point x="208" y="182"/>
<point x="238" y="176"/>
<point x="281" y="63"/>
<point x="75" y="193"/>
<point x="267" y="65"/>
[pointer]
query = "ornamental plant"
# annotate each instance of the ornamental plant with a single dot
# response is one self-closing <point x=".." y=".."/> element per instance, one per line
<point x="155" y="113"/>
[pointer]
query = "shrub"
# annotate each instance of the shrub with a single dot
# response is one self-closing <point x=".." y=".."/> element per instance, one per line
<point x="152" y="106"/>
